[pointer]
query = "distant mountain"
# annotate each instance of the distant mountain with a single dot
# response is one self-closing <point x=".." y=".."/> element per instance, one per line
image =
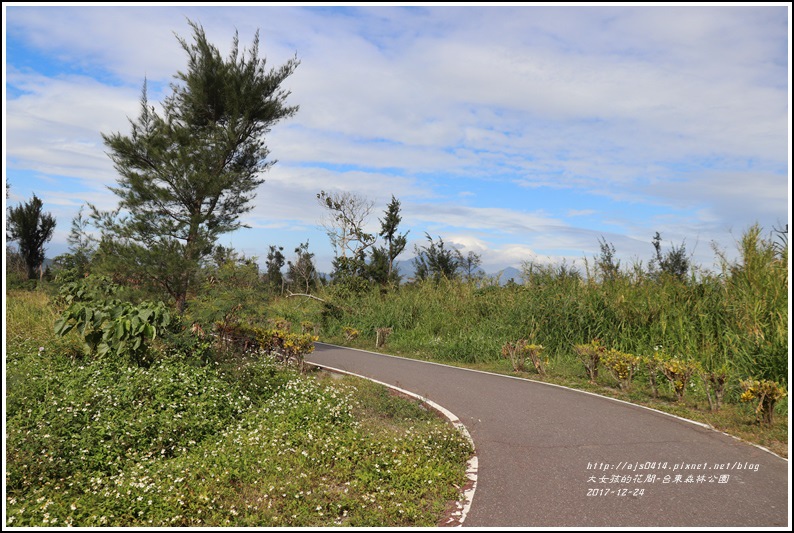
<point x="406" y="269"/>
<point x="506" y="274"/>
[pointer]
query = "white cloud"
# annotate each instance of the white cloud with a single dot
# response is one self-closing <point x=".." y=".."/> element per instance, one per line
<point x="56" y="125"/>
<point x="679" y="107"/>
<point x="479" y="218"/>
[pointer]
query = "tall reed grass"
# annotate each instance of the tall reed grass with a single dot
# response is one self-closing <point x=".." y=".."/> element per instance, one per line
<point x="736" y="318"/>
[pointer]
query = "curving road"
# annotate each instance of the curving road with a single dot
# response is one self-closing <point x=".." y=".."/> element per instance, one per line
<point x="556" y="457"/>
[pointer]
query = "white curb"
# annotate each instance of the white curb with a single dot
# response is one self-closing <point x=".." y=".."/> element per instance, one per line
<point x="472" y="464"/>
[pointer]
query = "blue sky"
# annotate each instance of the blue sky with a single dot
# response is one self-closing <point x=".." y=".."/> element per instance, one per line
<point x="518" y="132"/>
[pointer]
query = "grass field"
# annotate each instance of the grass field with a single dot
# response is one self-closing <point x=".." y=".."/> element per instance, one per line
<point x="94" y="442"/>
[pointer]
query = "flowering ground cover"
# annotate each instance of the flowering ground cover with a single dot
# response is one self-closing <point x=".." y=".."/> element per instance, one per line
<point x="95" y="442"/>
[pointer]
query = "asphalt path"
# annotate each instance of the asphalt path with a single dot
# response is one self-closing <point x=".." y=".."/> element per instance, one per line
<point x="554" y="457"/>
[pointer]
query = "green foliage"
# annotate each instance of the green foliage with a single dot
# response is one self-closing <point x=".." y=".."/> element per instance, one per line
<point x="102" y="417"/>
<point x="621" y="365"/>
<point x="181" y="443"/>
<point x="116" y="328"/>
<point x="436" y="262"/>
<point x="607" y="267"/>
<point x="301" y="272"/>
<point x="378" y="267"/>
<point x="381" y="267"/>
<point x="679" y="372"/>
<point x="351" y="274"/>
<point x="755" y="306"/>
<point x="230" y="291"/>
<point x="31" y="229"/>
<point x="188" y="175"/>
<point x="536" y="274"/>
<point x="273" y="265"/>
<point x="673" y="263"/>
<point x="75" y="265"/>
<point x="767" y="393"/>
<point x="30" y="315"/>
<point x="517" y="352"/>
<point x="470" y="266"/>
<point x="109" y="326"/>
<point x="96" y="289"/>
<point x="591" y="354"/>
<point x="738" y="318"/>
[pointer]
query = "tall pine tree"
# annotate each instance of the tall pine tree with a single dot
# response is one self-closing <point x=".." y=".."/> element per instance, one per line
<point x="31" y="229"/>
<point x="187" y="175"/>
<point x="382" y="259"/>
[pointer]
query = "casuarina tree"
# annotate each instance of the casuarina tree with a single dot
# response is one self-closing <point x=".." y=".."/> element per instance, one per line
<point x="31" y="229"/>
<point x="436" y="262"/>
<point x="382" y="262"/>
<point x="187" y="173"/>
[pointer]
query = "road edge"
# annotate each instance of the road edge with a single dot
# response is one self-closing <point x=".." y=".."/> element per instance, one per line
<point x="456" y="518"/>
<point x="701" y="424"/>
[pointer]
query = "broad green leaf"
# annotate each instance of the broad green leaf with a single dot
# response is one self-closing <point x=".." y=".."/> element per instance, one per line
<point x="119" y="333"/>
<point x="60" y="325"/>
<point x="103" y="349"/>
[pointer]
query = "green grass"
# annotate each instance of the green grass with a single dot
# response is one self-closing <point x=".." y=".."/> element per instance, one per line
<point x="236" y="443"/>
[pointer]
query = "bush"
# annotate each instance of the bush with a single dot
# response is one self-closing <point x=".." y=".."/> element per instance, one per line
<point x="679" y="372"/>
<point x="653" y="365"/>
<point x="116" y="328"/>
<point x="590" y="355"/>
<point x="714" y="382"/>
<point x="622" y="366"/>
<point x="290" y="348"/>
<point x="350" y="333"/>
<point x="767" y="393"/>
<point x="517" y="352"/>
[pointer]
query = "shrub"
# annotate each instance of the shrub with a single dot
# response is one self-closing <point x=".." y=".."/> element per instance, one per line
<point x="767" y="393"/>
<point x="236" y="338"/>
<point x="622" y="366"/>
<point x="280" y="323"/>
<point x="653" y="364"/>
<point x="310" y="327"/>
<point x="350" y="333"/>
<point x="116" y="328"/>
<point x="590" y="355"/>
<point x="714" y="382"/>
<point x="679" y="372"/>
<point x="381" y="334"/>
<point x="517" y="352"/>
<point x="290" y="348"/>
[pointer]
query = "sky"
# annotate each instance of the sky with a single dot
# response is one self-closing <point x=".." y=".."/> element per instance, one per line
<point x="519" y="132"/>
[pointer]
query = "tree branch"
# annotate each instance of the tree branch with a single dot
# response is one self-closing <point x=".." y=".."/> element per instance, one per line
<point x="290" y="294"/>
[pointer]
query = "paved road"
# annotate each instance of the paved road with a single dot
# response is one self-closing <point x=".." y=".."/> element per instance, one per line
<point x="550" y="456"/>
